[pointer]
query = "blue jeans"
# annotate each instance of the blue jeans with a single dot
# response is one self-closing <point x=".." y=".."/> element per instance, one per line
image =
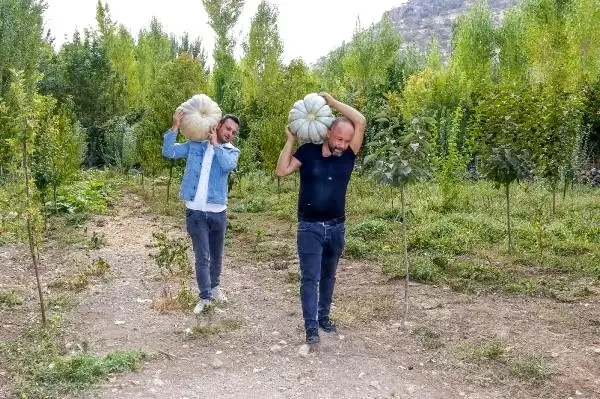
<point x="207" y="230"/>
<point x="320" y="245"/>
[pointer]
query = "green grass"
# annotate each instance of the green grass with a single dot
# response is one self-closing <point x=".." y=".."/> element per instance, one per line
<point x="505" y="363"/>
<point x="463" y="246"/>
<point x="40" y="368"/>
<point x="10" y="299"/>
<point x="215" y="329"/>
<point x="81" y="278"/>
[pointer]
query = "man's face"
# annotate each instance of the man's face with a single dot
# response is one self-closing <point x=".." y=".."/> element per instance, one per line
<point x="227" y="131"/>
<point x="339" y="138"/>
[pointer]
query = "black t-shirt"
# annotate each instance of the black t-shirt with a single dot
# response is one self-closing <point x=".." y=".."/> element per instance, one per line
<point x="323" y="183"/>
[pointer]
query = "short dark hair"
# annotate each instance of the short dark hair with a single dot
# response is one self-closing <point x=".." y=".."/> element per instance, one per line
<point x="340" y="119"/>
<point x="232" y="117"/>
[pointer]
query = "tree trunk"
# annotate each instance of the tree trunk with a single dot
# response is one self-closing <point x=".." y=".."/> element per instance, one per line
<point x="169" y="182"/>
<point x="44" y="210"/>
<point x="54" y="198"/>
<point x="405" y="257"/>
<point x="554" y="199"/>
<point x="31" y="234"/>
<point x="510" y="244"/>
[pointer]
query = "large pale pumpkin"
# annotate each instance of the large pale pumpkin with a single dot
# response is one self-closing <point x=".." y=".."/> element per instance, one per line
<point x="310" y="118"/>
<point x="200" y="115"/>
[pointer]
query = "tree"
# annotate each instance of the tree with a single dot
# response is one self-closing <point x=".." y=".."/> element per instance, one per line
<point x="401" y="157"/>
<point x="504" y="166"/>
<point x="474" y="42"/>
<point x="19" y="116"/>
<point x="21" y="42"/>
<point x="154" y="49"/>
<point x="263" y="82"/>
<point x="177" y="81"/>
<point x="226" y="80"/>
<point x="503" y="130"/>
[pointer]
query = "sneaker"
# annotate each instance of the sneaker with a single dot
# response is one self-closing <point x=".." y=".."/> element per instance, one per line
<point x="202" y="304"/>
<point x="327" y="326"/>
<point x="218" y="294"/>
<point x="312" y="336"/>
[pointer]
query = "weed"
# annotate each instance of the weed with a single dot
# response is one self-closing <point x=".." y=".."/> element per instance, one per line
<point x="40" y="370"/>
<point x="530" y="368"/>
<point x="250" y="206"/>
<point x="428" y="339"/>
<point x="491" y="350"/>
<point x="82" y="278"/>
<point x="183" y="300"/>
<point x="369" y="229"/>
<point x="10" y="299"/>
<point x="171" y="256"/>
<point x="219" y="328"/>
<point x="96" y="241"/>
<point x="356" y="249"/>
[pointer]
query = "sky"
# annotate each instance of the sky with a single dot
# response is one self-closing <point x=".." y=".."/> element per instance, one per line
<point x="309" y="29"/>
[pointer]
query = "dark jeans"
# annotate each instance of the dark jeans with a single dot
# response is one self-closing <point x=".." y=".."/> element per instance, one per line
<point x="207" y="230"/>
<point x="320" y="245"/>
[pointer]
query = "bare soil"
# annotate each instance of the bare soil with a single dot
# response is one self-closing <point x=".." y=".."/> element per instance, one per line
<point x="370" y="356"/>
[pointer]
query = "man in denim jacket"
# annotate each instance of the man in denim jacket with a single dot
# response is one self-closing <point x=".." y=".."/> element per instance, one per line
<point x="204" y="190"/>
<point x="325" y="171"/>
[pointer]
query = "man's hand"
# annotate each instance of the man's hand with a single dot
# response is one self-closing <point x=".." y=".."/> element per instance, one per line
<point x="212" y="137"/>
<point x="290" y="136"/>
<point x="177" y="116"/>
<point x="328" y="98"/>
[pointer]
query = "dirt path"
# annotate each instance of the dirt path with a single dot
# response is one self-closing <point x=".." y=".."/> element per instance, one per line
<point x="368" y="358"/>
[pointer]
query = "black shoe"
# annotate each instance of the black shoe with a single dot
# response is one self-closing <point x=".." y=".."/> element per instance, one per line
<point x="312" y="336"/>
<point x="327" y="326"/>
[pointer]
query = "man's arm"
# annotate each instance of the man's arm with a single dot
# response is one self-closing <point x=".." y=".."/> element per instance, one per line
<point x="287" y="164"/>
<point x="358" y="120"/>
<point x="172" y="149"/>
<point x="227" y="158"/>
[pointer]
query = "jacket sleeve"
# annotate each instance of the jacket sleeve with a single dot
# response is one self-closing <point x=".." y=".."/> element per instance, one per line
<point x="227" y="157"/>
<point x="173" y="150"/>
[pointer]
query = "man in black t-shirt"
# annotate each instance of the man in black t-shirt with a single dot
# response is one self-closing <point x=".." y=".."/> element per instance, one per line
<point x="325" y="171"/>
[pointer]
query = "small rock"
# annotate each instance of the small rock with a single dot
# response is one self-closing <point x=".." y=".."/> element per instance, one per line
<point x="596" y="351"/>
<point x="554" y="354"/>
<point x="304" y="350"/>
<point x="218" y="352"/>
<point x="217" y="364"/>
<point x="361" y="375"/>
<point x="158" y="382"/>
<point x="397" y="325"/>
<point x="119" y="322"/>
<point x="275" y="333"/>
<point x="275" y="349"/>
<point x="578" y="393"/>
<point x="375" y="384"/>
<point x="341" y="337"/>
<point x="283" y="343"/>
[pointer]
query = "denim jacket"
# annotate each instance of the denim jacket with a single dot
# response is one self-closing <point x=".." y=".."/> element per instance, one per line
<point x="224" y="161"/>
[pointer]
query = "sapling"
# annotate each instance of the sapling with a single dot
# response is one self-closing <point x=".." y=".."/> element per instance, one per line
<point x="400" y="156"/>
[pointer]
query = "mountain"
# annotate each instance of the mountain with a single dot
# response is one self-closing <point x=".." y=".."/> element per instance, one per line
<point x="418" y="20"/>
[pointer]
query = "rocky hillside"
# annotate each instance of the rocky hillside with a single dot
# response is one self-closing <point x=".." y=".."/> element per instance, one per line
<point x="418" y="20"/>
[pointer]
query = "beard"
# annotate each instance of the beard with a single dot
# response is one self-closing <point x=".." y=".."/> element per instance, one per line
<point x="336" y="152"/>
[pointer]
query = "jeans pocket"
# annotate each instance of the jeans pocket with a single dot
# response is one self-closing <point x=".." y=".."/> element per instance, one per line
<point x="304" y="226"/>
